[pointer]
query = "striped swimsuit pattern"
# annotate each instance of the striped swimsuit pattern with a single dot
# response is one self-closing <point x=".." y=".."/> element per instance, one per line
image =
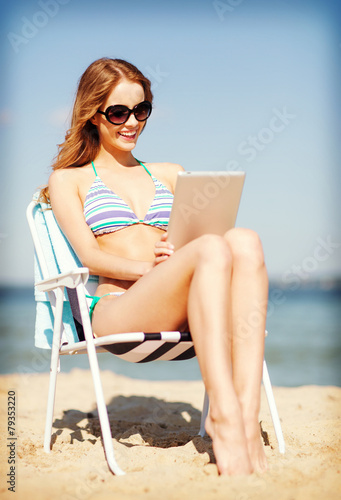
<point x="106" y="212"/>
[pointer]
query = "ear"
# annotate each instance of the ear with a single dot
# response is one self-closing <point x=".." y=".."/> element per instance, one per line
<point x="94" y="119"/>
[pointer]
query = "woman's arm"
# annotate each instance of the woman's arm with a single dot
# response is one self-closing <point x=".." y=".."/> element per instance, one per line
<point x="68" y="210"/>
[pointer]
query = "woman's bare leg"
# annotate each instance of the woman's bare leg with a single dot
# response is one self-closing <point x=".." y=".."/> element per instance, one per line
<point x="196" y="285"/>
<point x="249" y="291"/>
<point x="211" y="332"/>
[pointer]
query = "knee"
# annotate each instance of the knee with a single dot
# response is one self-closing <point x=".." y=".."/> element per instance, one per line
<point x="215" y="250"/>
<point x="246" y="246"/>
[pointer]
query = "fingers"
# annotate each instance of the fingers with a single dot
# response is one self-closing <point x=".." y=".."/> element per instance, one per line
<point x="160" y="259"/>
<point x="163" y="249"/>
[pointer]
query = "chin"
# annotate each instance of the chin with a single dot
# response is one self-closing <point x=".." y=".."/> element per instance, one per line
<point x="125" y="147"/>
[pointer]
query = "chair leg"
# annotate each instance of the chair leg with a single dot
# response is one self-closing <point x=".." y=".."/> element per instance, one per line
<point x="103" y="414"/>
<point x="57" y="333"/>
<point x="204" y="413"/>
<point x="273" y="409"/>
<point x="101" y="405"/>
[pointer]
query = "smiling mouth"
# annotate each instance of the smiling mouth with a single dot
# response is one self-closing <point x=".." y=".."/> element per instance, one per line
<point x="128" y="135"/>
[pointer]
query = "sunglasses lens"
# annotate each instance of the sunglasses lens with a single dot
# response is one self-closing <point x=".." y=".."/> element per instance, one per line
<point x="117" y="114"/>
<point x="142" y="111"/>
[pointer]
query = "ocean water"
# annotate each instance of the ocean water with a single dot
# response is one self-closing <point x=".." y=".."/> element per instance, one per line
<point x="303" y="346"/>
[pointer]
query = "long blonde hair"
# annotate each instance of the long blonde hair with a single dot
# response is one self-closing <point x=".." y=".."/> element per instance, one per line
<point x="81" y="143"/>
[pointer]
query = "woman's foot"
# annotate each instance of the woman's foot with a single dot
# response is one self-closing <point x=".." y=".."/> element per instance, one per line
<point x="230" y="446"/>
<point x="255" y="446"/>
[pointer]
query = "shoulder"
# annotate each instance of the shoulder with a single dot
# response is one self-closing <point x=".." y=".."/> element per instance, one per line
<point x="166" y="172"/>
<point x="62" y="175"/>
<point x="68" y="178"/>
<point x="67" y="185"/>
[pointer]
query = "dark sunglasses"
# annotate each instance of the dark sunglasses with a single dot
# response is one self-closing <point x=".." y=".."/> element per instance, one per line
<point x="119" y="114"/>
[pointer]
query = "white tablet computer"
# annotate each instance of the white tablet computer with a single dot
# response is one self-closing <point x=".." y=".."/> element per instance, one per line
<point x="204" y="202"/>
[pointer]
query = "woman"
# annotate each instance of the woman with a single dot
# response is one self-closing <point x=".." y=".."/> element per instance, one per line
<point x="114" y="211"/>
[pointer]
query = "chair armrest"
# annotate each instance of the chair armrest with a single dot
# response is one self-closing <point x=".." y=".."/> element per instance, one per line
<point x="70" y="279"/>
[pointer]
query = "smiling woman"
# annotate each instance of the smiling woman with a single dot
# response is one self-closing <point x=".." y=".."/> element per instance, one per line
<point x="119" y="114"/>
<point x="115" y="210"/>
<point x="82" y="140"/>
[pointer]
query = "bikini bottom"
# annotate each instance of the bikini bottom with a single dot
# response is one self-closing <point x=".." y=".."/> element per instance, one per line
<point x="96" y="299"/>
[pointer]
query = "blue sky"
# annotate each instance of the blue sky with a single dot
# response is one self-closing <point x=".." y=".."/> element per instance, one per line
<point x="247" y="85"/>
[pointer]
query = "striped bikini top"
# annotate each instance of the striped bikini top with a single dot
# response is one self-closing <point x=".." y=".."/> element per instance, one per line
<point x="105" y="212"/>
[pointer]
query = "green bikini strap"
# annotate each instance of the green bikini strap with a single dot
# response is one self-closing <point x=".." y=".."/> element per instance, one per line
<point x="144" y="166"/>
<point x="93" y="166"/>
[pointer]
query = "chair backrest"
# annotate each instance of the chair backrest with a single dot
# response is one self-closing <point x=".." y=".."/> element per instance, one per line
<point x="53" y="255"/>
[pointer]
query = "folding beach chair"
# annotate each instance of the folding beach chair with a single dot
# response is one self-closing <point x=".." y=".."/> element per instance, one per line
<point x="62" y="319"/>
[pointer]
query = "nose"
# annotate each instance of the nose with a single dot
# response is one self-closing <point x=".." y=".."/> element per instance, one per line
<point x="131" y="122"/>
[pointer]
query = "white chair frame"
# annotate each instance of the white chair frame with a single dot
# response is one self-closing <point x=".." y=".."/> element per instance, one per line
<point x="76" y="279"/>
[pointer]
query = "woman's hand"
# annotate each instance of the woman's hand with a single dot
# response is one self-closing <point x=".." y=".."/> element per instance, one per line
<point x="163" y="249"/>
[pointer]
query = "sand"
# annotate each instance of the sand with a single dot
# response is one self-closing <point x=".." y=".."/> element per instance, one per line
<point x="155" y="427"/>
